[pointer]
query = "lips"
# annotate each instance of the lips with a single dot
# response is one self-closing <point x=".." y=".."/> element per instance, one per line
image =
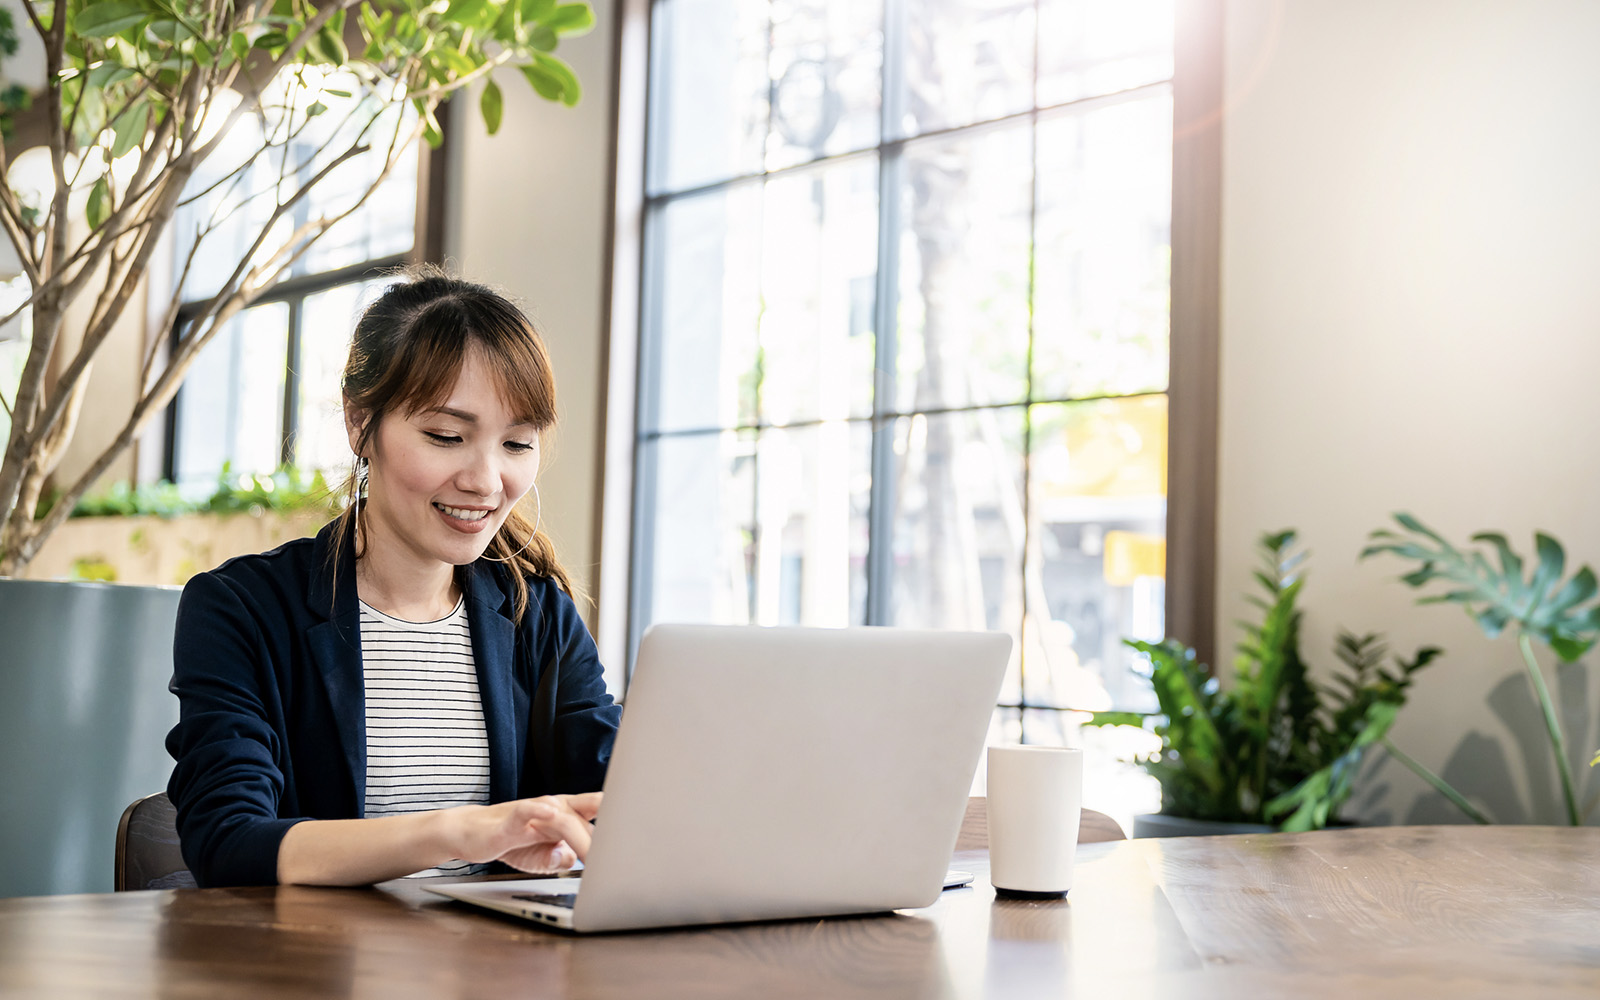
<point x="463" y="519"/>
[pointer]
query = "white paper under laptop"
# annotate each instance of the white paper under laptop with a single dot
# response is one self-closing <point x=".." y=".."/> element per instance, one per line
<point x="766" y="773"/>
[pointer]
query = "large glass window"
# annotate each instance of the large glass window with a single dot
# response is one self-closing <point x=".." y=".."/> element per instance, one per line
<point x="265" y="390"/>
<point x="904" y="357"/>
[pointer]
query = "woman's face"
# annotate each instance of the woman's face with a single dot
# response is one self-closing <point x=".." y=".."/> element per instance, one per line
<point x="440" y="482"/>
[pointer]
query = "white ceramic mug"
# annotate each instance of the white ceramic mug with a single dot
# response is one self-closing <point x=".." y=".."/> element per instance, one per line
<point x="1035" y="798"/>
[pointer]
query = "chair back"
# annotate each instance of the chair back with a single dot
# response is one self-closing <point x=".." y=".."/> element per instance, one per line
<point x="1093" y="827"/>
<point x="148" y="856"/>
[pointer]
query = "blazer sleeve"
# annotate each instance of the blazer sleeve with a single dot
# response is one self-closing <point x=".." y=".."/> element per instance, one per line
<point x="574" y="717"/>
<point x="226" y="784"/>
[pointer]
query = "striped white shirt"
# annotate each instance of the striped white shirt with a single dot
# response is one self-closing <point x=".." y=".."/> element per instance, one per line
<point x="427" y="747"/>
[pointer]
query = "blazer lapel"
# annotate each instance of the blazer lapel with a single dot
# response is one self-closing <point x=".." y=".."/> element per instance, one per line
<point x="494" y="649"/>
<point x="335" y="646"/>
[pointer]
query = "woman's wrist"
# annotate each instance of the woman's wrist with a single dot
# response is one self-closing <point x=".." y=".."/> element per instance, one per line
<point x="442" y="832"/>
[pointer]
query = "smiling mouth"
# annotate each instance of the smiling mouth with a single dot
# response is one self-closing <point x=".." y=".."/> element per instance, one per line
<point x="462" y="513"/>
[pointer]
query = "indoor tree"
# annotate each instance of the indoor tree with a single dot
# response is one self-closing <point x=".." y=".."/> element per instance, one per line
<point x="140" y="98"/>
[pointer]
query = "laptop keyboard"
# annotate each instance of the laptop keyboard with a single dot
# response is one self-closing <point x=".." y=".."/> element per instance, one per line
<point x="565" y="899"/>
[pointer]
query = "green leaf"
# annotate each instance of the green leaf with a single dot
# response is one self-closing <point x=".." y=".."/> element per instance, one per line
<point x="1510" y="562"/>
<point x="570" y="19"/>
<point x="1552" y="563"/>
<point x="536" y="10"/>
<point x="457" y="62"/>
<point x="272" y="41"/>
<point x="130" y="127"/>
<point x="108" y="74"/>
<point x="492" y="104"/>
<point x="542" y="38"/>
<point x="99" y="203"/>
<point x="168" y="30"/>
<point x="239" y="44"/>
<point x="108" y="18"/>
<point x="333" y="44"/>
<point x="1420" y="576"/>
<point x="1578" y="589"/>
<point x="553" y="70"/>
<point x="547" y="86"/>
<point x="506" y="26"/>
<point x="430" y="124"/>
<point x="472" y="13"/>
<point x="1117" y="719"/>
<point x="1570" y="648"/>
<point x="1410" y="523"/>
<point x="1492" y="621"/>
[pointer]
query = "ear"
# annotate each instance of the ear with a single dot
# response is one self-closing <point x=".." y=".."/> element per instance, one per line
<point x="355" y="421"/>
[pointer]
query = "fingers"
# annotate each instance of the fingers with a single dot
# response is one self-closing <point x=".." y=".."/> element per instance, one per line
<point x="586" y="805"/>
<point x="568" y="826"/>
<point x="551" y="819"/>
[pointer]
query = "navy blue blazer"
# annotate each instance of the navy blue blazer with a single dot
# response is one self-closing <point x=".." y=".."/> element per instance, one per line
<point x="272" y="721"/>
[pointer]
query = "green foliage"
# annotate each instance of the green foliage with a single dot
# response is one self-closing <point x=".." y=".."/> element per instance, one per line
<point x="1538" y="604"/>
<point x="127" y="62"/>
<point x="1499" y="596"/>
<point x="1271" y="744"/>
<point x="287" y="490"/>
<point x="1355" y="713"/>
<point x="93" y="568"/>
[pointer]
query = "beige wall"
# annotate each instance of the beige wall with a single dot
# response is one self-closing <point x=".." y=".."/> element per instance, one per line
<point x="1411" y="320"/>
<point x="528" y="214"/>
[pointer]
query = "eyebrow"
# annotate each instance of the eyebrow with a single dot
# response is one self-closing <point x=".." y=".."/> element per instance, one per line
<point x="470" y="418"/>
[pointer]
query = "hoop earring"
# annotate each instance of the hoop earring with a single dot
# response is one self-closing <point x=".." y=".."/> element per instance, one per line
<point x="538" y="511"/>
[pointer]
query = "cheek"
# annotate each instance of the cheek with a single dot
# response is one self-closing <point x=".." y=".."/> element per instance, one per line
<point x="419" y="470"/>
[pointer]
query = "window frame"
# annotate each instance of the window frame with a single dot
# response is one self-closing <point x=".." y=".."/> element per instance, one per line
<point x="427" y="246"/>
<point x="1196" y="89"/>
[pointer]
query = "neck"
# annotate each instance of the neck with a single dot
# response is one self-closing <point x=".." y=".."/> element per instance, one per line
<point x="392" y="579"/>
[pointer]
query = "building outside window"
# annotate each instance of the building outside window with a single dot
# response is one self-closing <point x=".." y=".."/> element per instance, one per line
<point x="905" y="317"/>
<point x="265" y="391"/>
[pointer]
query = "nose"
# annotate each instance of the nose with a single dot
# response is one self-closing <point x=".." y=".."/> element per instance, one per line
<point x="479" y="474"/>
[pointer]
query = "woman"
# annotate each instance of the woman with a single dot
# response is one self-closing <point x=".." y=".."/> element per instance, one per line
<point x="412" y="691"/>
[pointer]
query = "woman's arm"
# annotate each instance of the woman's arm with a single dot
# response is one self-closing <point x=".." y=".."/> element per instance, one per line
<point x="543" y="834"/>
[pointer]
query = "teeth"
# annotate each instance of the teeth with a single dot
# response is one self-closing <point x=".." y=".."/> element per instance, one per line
<point x="463" y="515"/>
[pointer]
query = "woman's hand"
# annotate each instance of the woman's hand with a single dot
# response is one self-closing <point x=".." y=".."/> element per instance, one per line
<point x="547" y="834"/>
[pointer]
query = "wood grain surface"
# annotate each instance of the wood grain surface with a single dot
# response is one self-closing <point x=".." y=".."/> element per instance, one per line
<point x="1408" y="912"/>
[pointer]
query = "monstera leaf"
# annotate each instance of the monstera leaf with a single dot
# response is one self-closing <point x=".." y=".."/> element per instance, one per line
<point x="1538" y="602"/>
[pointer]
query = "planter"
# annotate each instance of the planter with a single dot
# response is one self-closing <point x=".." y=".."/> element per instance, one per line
<point x="147" y="549"/>
<point x="1162" y="825"/>
<point x="84" y="711"/>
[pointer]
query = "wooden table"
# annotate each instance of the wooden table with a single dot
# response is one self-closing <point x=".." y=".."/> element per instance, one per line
<point x="1511" y="913"/>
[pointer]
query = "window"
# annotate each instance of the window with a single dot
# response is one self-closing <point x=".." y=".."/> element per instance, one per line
<point x="905" y="313"/>
<point x="265" y="390"/>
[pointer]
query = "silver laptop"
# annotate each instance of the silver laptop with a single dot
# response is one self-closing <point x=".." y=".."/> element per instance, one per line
<point x="768" y="773"/>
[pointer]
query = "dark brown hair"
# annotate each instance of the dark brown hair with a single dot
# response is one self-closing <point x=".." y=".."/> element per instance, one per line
<point x="407" y="352"/>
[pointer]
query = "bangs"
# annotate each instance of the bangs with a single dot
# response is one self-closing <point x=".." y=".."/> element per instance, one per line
<point x="431" y="364"/>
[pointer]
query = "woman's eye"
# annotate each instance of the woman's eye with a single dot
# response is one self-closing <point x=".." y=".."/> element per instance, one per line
<point x="442" y="438"/>
<point x="519" y="447"/>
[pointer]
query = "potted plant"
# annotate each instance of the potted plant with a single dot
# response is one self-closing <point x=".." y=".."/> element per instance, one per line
<point x="1534" y="606"/>
<point x="154" y="534"/>
<point x="138" y="108"/>
<point x="1272" y="749"/>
